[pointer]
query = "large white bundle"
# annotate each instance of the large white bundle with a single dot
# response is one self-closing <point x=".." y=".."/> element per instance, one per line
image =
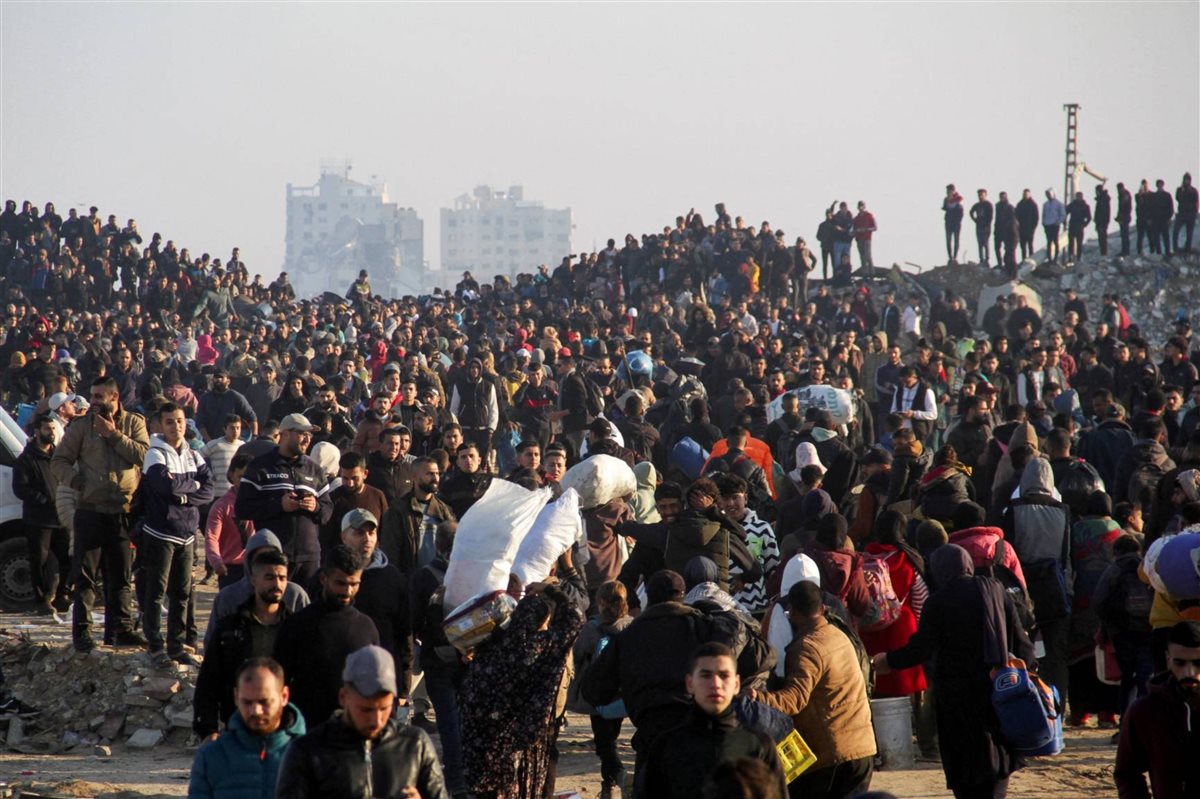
<point x="487" y="540"/>
<point x="556" y="528"/>
<point x="599" y="480"/>
<point x="825" y="398"/>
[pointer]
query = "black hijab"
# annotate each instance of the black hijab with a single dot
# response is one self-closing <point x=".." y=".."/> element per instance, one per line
<point x="951" y="563"/>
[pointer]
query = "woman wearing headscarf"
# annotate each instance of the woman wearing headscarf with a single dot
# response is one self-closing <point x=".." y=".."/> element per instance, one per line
<point x="968" y="627"/>
<point x="508" y="697"/>
<point x="905" y="566"/>
<point x="944" y="487"/>
<point x="175" y="391"/>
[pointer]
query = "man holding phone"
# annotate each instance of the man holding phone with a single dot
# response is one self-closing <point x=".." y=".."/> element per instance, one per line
<point x="101" y="457"/>
<point x="286" y="492"/>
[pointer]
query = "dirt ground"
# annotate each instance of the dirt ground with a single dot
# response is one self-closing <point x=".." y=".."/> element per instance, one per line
<point x="1082" y="771"/>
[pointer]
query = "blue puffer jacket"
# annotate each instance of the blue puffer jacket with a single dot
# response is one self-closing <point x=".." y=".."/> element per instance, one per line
<point x="239" y="765"/>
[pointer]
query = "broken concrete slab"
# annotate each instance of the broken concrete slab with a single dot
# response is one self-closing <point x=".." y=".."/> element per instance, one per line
<point x="145" y="738"/>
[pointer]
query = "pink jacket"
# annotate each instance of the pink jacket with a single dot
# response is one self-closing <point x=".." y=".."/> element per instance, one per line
<point x="980" y="542"/>
<point x="223" y="535"/>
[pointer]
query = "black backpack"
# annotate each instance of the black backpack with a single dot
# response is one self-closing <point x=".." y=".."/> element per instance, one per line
<point x="1012" y="586"/>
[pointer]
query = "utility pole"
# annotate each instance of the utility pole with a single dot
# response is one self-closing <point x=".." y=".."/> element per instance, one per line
<point x="1072" y="110"/>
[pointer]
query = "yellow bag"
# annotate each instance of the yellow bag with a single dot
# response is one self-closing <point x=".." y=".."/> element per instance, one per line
<point x="795" y="756"/>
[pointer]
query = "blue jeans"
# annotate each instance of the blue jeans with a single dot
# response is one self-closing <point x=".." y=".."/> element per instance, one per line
<point x="1136" y="659"/>
<point x="442" y="681"/>
<point x="840" y="248"/>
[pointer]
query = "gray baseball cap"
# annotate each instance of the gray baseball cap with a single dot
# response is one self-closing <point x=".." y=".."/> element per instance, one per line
<point x="298" y="422"/>
<point x="357" y="518"/>
<point x="370" y="671"/>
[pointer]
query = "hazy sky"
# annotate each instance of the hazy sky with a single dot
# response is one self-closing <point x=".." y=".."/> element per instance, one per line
<point x="193" y="118"/>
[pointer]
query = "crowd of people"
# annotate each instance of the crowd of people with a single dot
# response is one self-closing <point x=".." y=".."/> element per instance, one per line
<point x="833" y="486"/>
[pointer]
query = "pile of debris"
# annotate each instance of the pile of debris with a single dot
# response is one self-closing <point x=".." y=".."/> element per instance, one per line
<point x="91" y="702"/>
<point x="1154" y="289"/>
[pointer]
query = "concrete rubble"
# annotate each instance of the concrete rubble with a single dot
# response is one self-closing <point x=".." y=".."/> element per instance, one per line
<point x="92" y="704"/>
<point x="1153" y="289"/>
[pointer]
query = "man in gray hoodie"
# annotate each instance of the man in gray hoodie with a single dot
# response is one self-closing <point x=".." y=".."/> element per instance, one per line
<point x="232" y="597"/>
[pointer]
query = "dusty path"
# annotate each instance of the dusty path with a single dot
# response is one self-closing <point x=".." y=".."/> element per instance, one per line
<point x="1084" y="770"/>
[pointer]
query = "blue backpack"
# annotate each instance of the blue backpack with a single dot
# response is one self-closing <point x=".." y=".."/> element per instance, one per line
<point x="1029" y="711"/>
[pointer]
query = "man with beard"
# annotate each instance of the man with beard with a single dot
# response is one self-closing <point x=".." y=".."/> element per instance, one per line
<point x="286" y="492"/>
<point x="248" y="633"/>
<point x="1158" y="734"/>
<point x="970" y="435"/>
<point x="313" y="644"/>
<point x="244" y="761"/>
<point x="343" y="431"/>
<point x="406" y="530"/>
<point x="353" y="494"/>
<point x="215" y="405"/>
<point x="329" y="762"/>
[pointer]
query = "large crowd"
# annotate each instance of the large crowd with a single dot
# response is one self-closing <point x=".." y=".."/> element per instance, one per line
<point x="838" y="485"/>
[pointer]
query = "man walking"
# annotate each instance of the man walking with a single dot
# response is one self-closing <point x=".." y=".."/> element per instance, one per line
<point x="108" y="446"/>
<point x="244" y="761"/>
<point x="177" y="484"/>
<point x="313" y="643"/>
<point x="406" y="531"/>
<point x="364" y="749"/>
<point x="682" y="762"/>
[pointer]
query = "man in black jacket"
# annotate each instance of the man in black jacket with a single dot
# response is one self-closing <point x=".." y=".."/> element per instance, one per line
<point x="363" y="749"/>
<point x="313" y="643"/>
<point x="249" y="633"/>
<point x="1006" y="234"/>
<point x="1027" y="222"/>
<point x="981" y="215"/>
<point x="383" y="594"/>
<point x="1124" y="215"/>
<point x="287" y="492"/>
<point x="466" y="482"/>
<point x="33" y="484"/>
<point x="405" y="531"/>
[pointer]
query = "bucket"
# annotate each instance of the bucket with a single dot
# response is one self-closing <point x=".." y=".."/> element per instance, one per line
<point x="892" y="719"/>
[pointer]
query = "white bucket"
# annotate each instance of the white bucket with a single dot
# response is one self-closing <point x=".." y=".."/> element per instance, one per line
<point x="892" y="719"/>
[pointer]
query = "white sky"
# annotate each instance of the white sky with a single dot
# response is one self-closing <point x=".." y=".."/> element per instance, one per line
<point x="193" y="118"/>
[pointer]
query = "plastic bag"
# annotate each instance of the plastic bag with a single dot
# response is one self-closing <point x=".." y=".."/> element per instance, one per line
<point x="599" y="480"/>
<point x="488" y="537"/>
<point x="557" y="527"/>
<point x="1174" y="568"/>
<point x="826" y="398"/>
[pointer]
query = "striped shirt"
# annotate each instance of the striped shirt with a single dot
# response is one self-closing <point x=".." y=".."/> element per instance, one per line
<point x="219" y="454"/>
<point x="760" y="540"/>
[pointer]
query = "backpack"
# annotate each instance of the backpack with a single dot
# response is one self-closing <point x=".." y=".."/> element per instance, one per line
<point x="1078" y="484"/>
<point x="1136" y="597"/>
<point x="575" y="700"/>
<point x="1029" y="711"/>
<point x="785" y="450"/>
<point x="885" y="605"/>
<point x="595" y="400"/>
<point x="1011" y="585"/>
<point x="1145" y="476"/>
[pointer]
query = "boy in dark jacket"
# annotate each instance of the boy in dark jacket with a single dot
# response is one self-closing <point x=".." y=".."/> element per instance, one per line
<point x="33" y="484"/>
<point x="681" y="763"/>
<point x="1123" y="603"/>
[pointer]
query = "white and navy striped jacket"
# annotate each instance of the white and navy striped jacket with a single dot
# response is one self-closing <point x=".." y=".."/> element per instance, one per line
<point x="174" y="486"/>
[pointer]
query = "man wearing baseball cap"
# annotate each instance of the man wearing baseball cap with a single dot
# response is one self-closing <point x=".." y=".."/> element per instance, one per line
<point x="383" y="594"/>
<point x="363" y="744"/>
<point x="287" y="492"/>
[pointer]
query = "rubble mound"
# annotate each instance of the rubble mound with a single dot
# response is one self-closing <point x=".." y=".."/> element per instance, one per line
<point x="1154" y="289"/>
<point x="95" y="701"/>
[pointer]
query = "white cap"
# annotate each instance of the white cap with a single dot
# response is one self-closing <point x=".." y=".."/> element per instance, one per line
<point x="57" y="400"/>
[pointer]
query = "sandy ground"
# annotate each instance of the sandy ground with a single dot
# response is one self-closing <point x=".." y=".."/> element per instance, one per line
<point x="1083" y="770"/>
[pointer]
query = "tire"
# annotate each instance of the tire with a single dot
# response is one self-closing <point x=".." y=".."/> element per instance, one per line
<point x="16" y="582"/>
